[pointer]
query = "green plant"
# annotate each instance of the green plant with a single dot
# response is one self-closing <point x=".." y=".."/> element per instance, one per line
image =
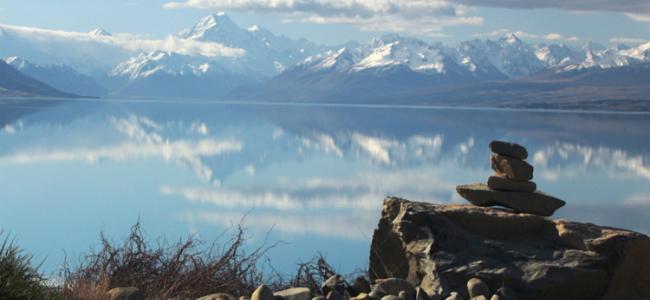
<point x="19" y="277"/>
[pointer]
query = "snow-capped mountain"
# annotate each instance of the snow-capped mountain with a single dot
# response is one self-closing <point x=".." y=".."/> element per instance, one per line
<point x="87" y="52"/>
<point x="558" y="55"/>
<point x="127" y="65"/>
<point x="99" y="32"/>
<point x="267" y="53"/>
<point x="13" y="83"/>
<point x="59" y="76"/>
<point x="168" y="74"/>
<point x="509" y="55"/>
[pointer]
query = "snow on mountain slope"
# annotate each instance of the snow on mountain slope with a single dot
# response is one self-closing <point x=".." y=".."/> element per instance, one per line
<point x="96" y="52"/>
<point x="100" y="32"/>
<point x="467" y="62"/>
<point x="148" y="64"/>
<point x="266" y="52"/>
<point x="168" y="74"/>
<point x="15" y="83"/>
<point x="509" y="55"/>
<point x="556" y="55"/>
<point x="59" y="76"/>
<point x="413" y="53"/>
<point x="642" y="52"/>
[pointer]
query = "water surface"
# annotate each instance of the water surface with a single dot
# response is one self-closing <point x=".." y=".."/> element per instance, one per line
<point x="314" y="176"/>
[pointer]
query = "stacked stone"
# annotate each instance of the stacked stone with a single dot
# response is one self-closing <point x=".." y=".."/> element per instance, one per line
<point x="513" y="173"/>
<point x="511" y="186"/>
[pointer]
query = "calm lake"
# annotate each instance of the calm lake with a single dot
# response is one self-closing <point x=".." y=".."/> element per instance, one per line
<point x="312" y="176"/>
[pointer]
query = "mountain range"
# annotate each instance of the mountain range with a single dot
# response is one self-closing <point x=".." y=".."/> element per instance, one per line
<point x="13" y="83"/>
<point x="388" y="69"/>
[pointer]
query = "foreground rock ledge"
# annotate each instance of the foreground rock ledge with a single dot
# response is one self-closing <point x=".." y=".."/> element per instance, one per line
<point x="440" y="247"/>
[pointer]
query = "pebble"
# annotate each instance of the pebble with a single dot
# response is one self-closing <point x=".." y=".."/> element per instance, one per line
<point x="454" y="296"/>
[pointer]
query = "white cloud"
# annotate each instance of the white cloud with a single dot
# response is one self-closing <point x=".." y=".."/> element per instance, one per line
<point x="552" y="36"/>
<point x="637" y="199"/>
<point x="627" y="40"/>
<point x="127" y="42"/>
<point x="630" y="6"/>
<point x="639" y="17"/>
<point x="421" y="17"/>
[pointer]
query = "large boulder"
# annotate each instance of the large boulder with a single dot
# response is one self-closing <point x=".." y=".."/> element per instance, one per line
<point x="441" y="247"/>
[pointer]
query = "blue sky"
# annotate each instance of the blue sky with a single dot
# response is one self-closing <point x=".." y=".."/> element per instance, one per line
<point x="337" y="21"/>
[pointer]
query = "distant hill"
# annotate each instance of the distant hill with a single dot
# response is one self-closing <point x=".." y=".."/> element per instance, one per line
<point x="59" y="76"/>
<point x="15" y="84"/>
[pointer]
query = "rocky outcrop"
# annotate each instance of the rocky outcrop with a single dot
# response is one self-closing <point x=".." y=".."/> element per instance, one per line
<point x="440" y="247"/>
<point x="511" y="186"/>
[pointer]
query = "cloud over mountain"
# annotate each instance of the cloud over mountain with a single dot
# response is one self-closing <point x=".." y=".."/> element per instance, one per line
<point x="628" y="6"/>
<point x="423" y="17"/>
<point x="127" y="41"/>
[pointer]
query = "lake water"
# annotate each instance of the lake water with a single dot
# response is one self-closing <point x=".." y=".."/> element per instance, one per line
<point x="315" y="174"/>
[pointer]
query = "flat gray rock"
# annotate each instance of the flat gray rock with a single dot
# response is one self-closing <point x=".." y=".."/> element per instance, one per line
<point x="509" y="149"/>
<point x="504" y="184"/>
<point x="532" y="203"/>
<point x="512" y="168"/>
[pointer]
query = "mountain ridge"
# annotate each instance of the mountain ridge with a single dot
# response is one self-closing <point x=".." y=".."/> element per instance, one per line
<point x="274" y="67"/>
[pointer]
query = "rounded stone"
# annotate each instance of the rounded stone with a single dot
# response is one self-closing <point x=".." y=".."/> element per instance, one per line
<point x="218" y="296"/>
<point x="262" y="292"/>
<point x="393" y="286"/>
<point x="476" y="287"/>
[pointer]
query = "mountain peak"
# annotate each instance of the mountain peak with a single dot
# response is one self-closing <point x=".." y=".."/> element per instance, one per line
<point x="16" y="62"/>
<point x="99" y="32"/>
<point x="214" y="22"/>
<point x="511" y="38"/>
<point x="593" y="46"/>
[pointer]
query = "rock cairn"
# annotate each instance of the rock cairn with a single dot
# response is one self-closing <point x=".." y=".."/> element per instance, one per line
<point x="511" y="186"/>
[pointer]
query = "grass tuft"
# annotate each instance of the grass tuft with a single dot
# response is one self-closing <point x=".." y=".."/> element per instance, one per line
<point x="19" y="277"/>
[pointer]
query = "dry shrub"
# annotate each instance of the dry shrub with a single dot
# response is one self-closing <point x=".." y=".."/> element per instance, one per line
<point x="180" y="270"/>
<point x="184" y="270"/>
